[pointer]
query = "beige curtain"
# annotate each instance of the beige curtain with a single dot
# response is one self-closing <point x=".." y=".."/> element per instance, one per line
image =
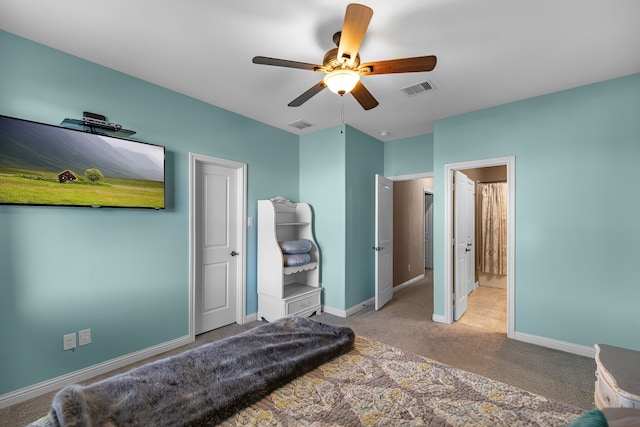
<point x="493" y="256"/>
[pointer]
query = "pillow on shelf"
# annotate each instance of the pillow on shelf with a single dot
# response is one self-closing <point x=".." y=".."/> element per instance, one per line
<point x="295" y="260"/>
<point x="301" y="246"/>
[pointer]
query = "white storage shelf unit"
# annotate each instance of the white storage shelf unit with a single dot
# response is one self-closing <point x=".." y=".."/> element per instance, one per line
<point x="285" y="291"/>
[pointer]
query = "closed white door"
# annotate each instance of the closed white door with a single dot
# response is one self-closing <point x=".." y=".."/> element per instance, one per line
<point x="216" y="270"/>
<point x="463" y="241"/>
<point x="384" y="241"/>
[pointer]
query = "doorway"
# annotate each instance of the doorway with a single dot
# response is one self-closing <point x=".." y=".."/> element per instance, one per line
<point x="217" y="246"/>
<point x="412" y="228"/>
<point x="450" y="170"/>
<point x="487" y="302"/>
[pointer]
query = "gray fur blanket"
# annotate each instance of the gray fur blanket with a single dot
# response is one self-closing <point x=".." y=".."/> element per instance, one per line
<point x="207" y="384"/>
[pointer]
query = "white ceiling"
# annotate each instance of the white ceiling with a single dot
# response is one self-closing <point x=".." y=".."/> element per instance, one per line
<point x="490" y="52"/>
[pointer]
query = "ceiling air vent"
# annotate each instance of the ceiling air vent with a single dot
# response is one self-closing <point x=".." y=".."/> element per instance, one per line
<point x="418" y="88"/>
<point x="300" y="124"/>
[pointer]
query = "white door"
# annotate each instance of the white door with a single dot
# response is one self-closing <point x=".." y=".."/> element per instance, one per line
<point x="216" y="242"/>
<point x="428" y="226"/>
<point x="384" y="241"/>
<point x="463" y="227"/>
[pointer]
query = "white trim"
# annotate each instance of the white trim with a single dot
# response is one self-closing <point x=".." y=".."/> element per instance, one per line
<point x="350" y="311"/>
<point x="438" y="318"/>
<point x="241" y="293"/>
<point x="250" y="317"/>
<point x="568" y="347"/>
<point x="337" y="312"/>
<point x="407" y="283"/>
<point x="371" y="301"/>
<point x="510" y="163"/>
<point x="57" y="383"/>
<point x="411" y="177"/>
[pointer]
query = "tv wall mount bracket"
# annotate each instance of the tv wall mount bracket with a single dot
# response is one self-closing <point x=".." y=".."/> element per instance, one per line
<point x="97" y="123"/>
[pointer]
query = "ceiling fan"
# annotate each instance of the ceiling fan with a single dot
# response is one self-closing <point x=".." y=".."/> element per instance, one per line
<point x="342" y="64"/>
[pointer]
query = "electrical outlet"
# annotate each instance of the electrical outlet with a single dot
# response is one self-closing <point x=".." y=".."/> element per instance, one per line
<point x="69" y="341"/>
<point x="84" y="337"/>
<point x="409" y="267"/>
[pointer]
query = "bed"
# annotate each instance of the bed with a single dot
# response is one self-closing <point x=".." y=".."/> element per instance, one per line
<point x="361" y="382"/>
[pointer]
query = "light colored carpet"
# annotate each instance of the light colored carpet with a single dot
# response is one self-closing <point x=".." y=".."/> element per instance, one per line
<point x="406" y="323"/>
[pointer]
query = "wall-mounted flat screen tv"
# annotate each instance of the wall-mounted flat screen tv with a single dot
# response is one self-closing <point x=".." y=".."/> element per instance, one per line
<point x="42" y="164"/>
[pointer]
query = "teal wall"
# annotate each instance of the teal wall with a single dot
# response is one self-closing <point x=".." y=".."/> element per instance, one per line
<point x="577" y="207"/>
<point x="409" y="156"/>
<point x="365" y="159"/>
<point x="121" y="272"/>
<point x="125" y="271"/>
<point x="337" y="172"/>
<point x="322" y="185"/>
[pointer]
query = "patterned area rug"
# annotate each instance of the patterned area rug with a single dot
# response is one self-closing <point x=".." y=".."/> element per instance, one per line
<point x="378" y="385"/>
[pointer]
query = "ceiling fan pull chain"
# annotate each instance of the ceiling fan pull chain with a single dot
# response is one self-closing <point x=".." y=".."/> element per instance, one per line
<point x="341" y="114"/>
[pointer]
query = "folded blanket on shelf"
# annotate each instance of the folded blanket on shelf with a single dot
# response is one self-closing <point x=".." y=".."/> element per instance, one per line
<point x="294" y="260"/>
<point x="301" y="246"/>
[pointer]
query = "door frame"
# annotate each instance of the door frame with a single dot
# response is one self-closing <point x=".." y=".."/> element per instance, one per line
<point x="241" y="234"/>
<point x="510" y="163"/>
<point x="428" y="191"/>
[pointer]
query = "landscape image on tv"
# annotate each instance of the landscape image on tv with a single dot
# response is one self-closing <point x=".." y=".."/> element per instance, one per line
<point x="49" y="165"/>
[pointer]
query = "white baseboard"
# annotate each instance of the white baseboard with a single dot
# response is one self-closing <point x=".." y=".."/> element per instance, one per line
<point x="408" y="283"/>
<point x="57" y="383"/>
<point x="371" y="301"/>
<point x="250" y="318"/>
<point x="359" y="307"/>
<point x="334" y="311"/>
<point x="581" y="350"/>
<point x="350" y="311"/>
<point x="439" y="318"/>
<point x="541" y="341"/>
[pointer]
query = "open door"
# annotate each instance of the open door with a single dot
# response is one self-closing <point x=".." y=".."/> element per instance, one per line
<point x="384" y="241"/>
<point x="463" y="229"/>
<point x="428" y="230"/>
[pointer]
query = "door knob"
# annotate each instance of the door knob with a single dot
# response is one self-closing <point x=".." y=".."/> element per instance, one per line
<point x="234" y="253"/>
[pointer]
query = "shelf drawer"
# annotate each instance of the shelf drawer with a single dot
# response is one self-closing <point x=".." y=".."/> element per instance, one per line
<point x="304" y="303"/>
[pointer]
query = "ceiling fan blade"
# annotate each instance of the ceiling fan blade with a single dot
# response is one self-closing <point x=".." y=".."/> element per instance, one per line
<point x="307" y="95"/>
<point x="404" y="65"/>
<point x="364" y="97"/>
<point x="284" y="63"/>
<point x="356" y="22"/>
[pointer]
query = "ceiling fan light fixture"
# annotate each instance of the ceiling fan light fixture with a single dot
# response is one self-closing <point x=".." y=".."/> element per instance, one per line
<point x="342" y="80"/>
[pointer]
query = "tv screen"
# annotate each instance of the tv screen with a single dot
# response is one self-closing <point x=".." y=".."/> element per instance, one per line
<point x="42" y="164"/>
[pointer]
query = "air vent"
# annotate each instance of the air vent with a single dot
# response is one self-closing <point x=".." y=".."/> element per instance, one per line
<point x="300" y="124"/>
<point x="419" y="88"/>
